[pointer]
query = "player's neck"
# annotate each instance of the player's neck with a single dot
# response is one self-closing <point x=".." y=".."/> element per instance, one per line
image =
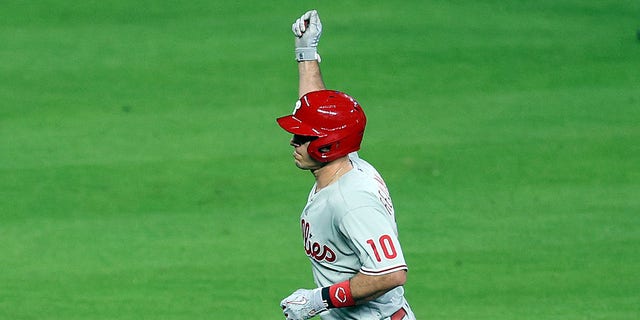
<point x="331" y="172"/>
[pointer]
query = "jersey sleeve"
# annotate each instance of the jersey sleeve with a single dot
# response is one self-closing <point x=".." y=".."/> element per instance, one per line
<point x="373" y="237"/>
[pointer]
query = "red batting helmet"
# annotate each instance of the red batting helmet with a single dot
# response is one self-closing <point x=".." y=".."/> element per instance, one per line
<point x="334" y="117"/>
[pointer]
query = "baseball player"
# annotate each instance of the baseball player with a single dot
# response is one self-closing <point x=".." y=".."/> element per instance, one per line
<point x="348" y="225"/>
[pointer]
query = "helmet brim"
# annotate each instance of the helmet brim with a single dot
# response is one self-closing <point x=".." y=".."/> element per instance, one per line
<point x="294" y="125"/>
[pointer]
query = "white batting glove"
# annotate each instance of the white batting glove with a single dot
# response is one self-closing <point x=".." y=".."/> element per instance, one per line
<point x="303" y="304"/>
<point x="307" y="30"/>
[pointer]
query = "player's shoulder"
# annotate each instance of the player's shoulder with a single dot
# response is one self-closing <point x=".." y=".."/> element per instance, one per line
<point x="358" y="187"/>
<point x="362" y="165"/>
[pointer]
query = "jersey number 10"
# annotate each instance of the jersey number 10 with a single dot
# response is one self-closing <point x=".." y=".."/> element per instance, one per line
<point x="388" y="249"/>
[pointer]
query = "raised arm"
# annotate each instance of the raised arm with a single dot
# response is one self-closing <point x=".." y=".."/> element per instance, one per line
<point x="310" y="77"/>
<point x="307" y="31"/>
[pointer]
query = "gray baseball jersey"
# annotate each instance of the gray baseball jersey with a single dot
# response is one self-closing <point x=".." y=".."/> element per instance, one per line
<point x="349" y="227"/>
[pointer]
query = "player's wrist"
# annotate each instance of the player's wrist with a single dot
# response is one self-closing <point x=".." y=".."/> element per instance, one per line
<point x="307" y="54"/>
<point x="338" y="295"/>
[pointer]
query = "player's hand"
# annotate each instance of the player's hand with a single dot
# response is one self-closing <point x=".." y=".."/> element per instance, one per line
<point x="307" y="30"/>
<point x="303" y="304"/>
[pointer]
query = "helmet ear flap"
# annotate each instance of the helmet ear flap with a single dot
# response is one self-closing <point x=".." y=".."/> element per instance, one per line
<point x="329" y="148"/>
<point x="320" y="149"/>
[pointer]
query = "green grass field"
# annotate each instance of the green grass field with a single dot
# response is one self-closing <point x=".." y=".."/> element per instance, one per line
<point x="143" y="176"/>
